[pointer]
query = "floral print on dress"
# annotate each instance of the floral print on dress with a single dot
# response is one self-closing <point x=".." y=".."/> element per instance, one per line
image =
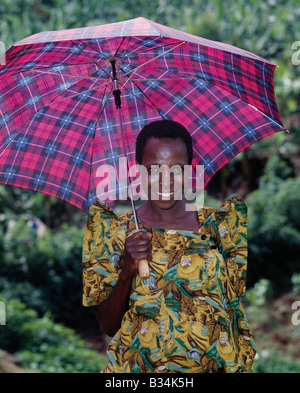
<point x="187" y="317"/>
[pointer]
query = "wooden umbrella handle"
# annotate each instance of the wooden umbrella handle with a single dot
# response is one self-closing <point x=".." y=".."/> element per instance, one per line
<point x="143" y="266"/>
<point x="144" y="269"/>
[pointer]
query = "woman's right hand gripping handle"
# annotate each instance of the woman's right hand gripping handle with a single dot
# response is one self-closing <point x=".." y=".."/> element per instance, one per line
<point x="137" y="253"/>
<point x="110" y="312"/>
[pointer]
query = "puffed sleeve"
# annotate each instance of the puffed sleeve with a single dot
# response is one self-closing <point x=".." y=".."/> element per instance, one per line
<point x="231" y="232"/>
<point x="102" y="253"/>
<point x="228" y="226"/>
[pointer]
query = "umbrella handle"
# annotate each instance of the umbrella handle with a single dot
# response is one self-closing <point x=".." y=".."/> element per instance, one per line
<point x="142" y="263"/>
<point x="144" y="269"/>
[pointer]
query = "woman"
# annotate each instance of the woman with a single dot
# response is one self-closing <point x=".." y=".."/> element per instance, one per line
<point x="187" y="317"/>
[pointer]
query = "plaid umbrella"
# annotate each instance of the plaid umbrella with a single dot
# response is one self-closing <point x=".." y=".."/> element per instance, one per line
<point x="74" y="100"/>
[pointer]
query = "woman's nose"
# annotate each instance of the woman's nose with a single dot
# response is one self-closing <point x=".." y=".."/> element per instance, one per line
<point x="166" y="176"/>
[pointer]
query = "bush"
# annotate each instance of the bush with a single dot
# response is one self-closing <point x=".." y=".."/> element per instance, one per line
<point x="14" y="335"/>
<point x="46" y="346"/>
<point x="45" y="273"/>
<point x="274" y="227"/>
<point x="274" y="362"/>
<point x="295" y="283"/>
<point x="260" y="294"/>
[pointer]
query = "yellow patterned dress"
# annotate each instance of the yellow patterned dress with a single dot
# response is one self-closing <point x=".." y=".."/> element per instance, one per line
<point x="187" y="317"/>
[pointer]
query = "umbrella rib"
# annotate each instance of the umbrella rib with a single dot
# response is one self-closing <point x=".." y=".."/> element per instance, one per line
<point x="151" y="105"/>
<point x="107" y="57"/>
<point x="77" y="94"/>
<point x="103" y="105"/>
<point x="92" y="60"/>
<point x="173" y="71"/>
<point x="144" y="51"/>
<point x="151" y="60"/>
<point x="85" y="54"/>
<point x="155" y="47"/>
<point x="144" y="95"/>
<point x="10" y="141"/>
<point x="97" y="79"/>
<point x="97" y="124"/>
<point x="119" y="67"/>
<point x="196" y="77"/>
<point x="39" y="69"/>
<point x="117" y="50"/>
<point x="69" y="75"/>
<point x="81" y="77"/>
<point x="74" y="95"/>
<point x="161" y="79"/>
<point x="268" y="117"/>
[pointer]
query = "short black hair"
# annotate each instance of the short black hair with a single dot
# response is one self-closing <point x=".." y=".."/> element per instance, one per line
<point x="163" y="129"/>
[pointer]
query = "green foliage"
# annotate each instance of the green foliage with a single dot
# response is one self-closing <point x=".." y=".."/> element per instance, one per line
<point x="275" y="362"/>
<point x="295" y="283"/>
<point x="28" y="204"/>
<point x="274" y="226"/>
<point x="14" y="335"/>
<point x="260" y="294"/>
<point x="46" y="271"/>
<point x="40" y="280"/>
<point x="275" y="336"/>
<point x="43" y="345"/>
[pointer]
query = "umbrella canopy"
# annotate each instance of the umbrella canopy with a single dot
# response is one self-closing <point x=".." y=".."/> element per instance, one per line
<point x="74" y="100"/>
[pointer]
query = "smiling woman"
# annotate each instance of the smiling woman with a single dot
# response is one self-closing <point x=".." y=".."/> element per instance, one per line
<point x="187" y="316"/>
<point x="164" y="148"/>
<point x="165" y="187"/>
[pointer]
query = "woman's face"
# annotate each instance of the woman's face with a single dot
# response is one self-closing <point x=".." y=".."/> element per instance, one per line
<point x="164" y="159"/>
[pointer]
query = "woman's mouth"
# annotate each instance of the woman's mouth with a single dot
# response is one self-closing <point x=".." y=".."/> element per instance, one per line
<point x="166" y="195"/>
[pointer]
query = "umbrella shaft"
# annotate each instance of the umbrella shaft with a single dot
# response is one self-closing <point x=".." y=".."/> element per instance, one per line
<point x="116" y="91"/>
<point x="113" y="66"/>
<point x="133" y="207"/>
<point x="116" y="84"/>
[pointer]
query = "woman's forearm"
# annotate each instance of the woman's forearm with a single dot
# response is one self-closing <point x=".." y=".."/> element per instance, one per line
<point x="110" y="313"/>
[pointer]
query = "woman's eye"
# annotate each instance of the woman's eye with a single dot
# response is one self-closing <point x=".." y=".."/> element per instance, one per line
<point x="153" y="169"/>
<point x="178" y="169"/>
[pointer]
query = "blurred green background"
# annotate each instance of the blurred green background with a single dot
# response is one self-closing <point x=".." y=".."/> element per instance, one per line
<point x="47" y="329"/>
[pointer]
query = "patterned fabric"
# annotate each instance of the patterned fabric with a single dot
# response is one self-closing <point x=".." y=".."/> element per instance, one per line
<point x="58" y="118"/>
<point x="187" y="317"/>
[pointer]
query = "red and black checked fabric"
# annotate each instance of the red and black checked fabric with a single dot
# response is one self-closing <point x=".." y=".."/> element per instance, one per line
<point x="58" y="119"/>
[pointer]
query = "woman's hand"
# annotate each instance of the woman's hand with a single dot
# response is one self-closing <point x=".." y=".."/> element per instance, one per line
<point x="137" y="247"/>
<point x="110" y="312"/>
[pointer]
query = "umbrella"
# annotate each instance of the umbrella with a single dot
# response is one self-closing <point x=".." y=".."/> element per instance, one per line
<point x="73" y="101"/>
